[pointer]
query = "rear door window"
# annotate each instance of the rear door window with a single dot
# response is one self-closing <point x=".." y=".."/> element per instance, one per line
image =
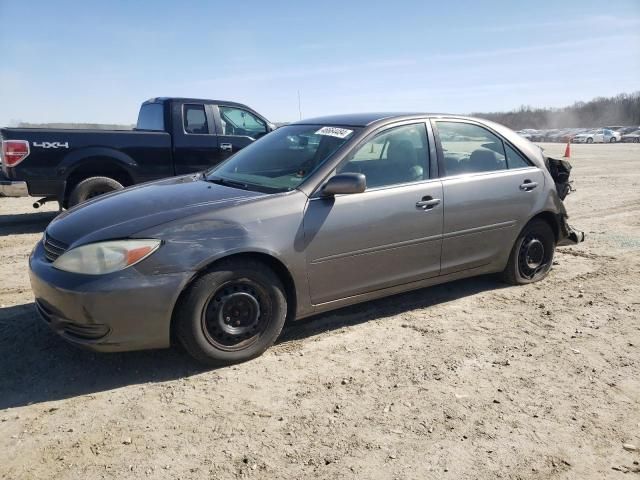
<point x="195" y="119"/>
<point x="469" y="148"/>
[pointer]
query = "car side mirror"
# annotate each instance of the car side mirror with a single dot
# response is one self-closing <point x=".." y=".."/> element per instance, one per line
<point x="345" y="183"/>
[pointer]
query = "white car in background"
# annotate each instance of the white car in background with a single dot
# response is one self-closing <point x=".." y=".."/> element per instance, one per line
<point x="599" y="135"/>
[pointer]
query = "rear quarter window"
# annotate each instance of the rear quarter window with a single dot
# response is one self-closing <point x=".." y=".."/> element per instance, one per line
<point x="151" y="117"/>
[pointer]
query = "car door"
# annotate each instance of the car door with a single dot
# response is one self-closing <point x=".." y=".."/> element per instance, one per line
<point x="607" y="135"/>
<point x="391" y="233"/>
<point x="599" y="136"/>
<point x="490" y="192"/>
<point x="195" y="145"/>
<point x="237" y="127"/>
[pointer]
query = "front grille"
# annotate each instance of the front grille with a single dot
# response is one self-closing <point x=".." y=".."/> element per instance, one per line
<point x="53" y="248"/>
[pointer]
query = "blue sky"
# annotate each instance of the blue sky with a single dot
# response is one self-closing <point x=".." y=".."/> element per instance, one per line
<point x="95" y="61"/>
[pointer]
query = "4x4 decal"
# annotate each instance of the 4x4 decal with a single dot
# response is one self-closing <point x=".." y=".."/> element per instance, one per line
<point x="51" y="144"/>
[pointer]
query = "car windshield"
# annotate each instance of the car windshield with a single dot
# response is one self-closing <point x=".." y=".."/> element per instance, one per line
<point x="281" y="160"/>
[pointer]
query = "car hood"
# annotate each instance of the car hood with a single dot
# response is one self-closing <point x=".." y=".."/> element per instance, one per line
<point x="122" y="214"/>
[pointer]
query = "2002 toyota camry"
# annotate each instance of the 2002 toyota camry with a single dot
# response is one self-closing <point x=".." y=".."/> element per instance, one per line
<point x="317" y="215"/>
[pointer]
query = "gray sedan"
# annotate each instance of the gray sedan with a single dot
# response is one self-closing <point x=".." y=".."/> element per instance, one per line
<point x="316" y="215"/>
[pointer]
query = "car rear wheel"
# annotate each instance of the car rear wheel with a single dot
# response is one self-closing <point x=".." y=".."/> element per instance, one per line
<point x="92" y="187"/>
<point x="612" y="140"/>
<point x="232" y="313"/>
<point x="532" y="254"/>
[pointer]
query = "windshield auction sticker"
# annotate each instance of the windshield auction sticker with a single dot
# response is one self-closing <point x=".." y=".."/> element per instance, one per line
<point x="335" y="132"/>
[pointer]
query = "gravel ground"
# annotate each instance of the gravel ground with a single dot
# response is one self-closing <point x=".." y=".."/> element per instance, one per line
<point x="472" y="379"/>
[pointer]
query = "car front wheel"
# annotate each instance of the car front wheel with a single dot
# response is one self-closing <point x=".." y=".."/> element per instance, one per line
<point x="532" y="254"/>
<point x="233" y="313"/>
<point x="612" y="140"/>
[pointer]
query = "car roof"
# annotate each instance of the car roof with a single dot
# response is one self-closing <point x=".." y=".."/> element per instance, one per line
<point x="366" y="119"/>
<point x="195" y="100"/>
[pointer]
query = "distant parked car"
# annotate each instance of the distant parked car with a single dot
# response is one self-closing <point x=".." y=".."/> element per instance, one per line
<point x="528" y="133"/>
<point x="547" y="136"/>
<point x="633" y="137"/>
<point x="562" y="135"/>
<point x="625" y="130"/>
<point x="599" y="135"/>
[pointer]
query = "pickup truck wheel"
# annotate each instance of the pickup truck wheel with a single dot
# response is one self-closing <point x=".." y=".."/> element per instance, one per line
<point x="232" y="313"/>
<point x="532" y="255"/>
<point x="92" y="187"/>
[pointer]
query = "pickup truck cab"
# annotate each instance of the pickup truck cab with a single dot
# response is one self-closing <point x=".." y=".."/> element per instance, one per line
<point x="173" y="136"/>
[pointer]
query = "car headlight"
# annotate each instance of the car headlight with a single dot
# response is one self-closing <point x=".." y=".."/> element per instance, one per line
<point x="105" y="257"/>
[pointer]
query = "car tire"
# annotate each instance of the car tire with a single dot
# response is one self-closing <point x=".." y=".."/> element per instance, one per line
<point x="232" y="313"/>
<point x="92" y="187"/>
<point x="612" y="140"/>
<point x="532" y="254"/>
<point x="589" y="140"/>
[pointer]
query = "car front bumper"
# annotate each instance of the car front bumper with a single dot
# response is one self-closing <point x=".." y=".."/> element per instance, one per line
<point x="122" y="311"/>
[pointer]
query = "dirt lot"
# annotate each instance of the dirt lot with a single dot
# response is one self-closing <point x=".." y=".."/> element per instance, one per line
<point x="468" y="380"/>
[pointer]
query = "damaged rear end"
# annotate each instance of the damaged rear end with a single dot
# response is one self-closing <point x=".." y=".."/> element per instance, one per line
<point x="560" y="171"/>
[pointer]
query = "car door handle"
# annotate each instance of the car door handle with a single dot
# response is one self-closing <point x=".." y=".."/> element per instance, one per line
<point x="427" y="203"/>
<point x="528" y="185"/>
<point x="227" y="147"/>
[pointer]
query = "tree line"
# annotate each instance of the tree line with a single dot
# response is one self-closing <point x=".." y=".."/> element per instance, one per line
<point x="623" y="109"/>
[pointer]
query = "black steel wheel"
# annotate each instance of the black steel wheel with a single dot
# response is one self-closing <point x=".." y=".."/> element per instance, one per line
<point x="235" y="314"/>
<point x="232" y="313"/>
<point x="531" y="257"/>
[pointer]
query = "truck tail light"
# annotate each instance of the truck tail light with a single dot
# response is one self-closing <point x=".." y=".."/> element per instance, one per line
<point x="14" y="151"/>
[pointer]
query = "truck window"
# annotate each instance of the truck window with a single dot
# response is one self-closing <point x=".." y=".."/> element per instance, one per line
<point x="195" y="120"/>
<point x="151" y="117"/>
<point x="236" y="121"/>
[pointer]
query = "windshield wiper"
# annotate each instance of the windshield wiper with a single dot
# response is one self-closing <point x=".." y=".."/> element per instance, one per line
<point x="228" y="183"/>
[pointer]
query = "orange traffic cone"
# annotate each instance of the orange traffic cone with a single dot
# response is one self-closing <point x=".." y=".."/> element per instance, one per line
<point x="567" y="151"/>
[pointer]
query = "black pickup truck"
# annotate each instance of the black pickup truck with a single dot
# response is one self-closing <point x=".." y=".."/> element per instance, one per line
<point x="173" y="136"/>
